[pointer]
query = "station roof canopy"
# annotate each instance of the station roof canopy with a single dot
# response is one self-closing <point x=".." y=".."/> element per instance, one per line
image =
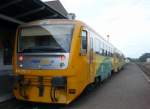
<point x="20" y="11"/>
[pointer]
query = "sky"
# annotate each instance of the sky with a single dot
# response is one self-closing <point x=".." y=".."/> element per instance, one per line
<point x="126" y="21"/>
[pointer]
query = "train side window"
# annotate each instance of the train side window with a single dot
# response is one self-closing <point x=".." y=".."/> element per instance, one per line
<point x="100" y="49"/>
<point x="91" y="43"/>
<point x="97" y="46"/>
<point x="84" y="42"/>
<point x="106" y="53"/>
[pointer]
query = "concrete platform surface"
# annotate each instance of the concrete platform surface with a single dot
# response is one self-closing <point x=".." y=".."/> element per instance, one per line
<point x="128" y="89"/>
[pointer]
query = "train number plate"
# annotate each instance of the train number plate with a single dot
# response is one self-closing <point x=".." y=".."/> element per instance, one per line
<point x="45" y="62"/>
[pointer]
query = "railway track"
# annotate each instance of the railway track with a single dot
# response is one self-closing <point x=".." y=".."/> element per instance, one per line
<point x="144" y="69"/>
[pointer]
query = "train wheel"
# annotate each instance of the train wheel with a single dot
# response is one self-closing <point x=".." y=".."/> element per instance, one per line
<point x="90" y="88"/>
<point x="109" y="75"/>
<point x="100" y="80"/>
<point x="96" y="81"/>
<point x="116" y="70"/>
<point x="119" y="70"/>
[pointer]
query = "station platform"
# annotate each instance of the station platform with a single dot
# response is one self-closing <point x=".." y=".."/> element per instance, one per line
<point x="6" y="85"/>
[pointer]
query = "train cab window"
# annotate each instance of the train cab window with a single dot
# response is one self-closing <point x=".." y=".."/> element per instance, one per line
<point x="45" y="38"/>
<point x="84" y="41"/>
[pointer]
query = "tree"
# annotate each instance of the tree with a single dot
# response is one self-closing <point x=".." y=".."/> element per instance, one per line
<point x="144" y="57"/>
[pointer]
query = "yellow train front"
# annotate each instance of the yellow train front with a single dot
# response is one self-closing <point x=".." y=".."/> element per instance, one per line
<point x="55" y="60"/>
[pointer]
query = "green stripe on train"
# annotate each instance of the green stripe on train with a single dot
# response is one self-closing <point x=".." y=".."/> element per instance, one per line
<point x="104" y="68"/>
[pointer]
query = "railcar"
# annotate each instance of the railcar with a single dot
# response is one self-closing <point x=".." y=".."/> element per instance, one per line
<point x="118" y="61"/>
<point x="55" y="60"/>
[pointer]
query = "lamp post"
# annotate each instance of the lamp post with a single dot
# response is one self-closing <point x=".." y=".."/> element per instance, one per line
<point x="108" y="37"/>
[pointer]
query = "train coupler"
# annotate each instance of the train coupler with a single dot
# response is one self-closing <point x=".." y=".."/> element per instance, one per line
<point x="57" y="83"/>
<point x="41" y="86"/>
<point x="22" y="85"/>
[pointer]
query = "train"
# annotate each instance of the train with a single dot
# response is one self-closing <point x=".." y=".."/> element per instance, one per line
<point x="55" y="60"/>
